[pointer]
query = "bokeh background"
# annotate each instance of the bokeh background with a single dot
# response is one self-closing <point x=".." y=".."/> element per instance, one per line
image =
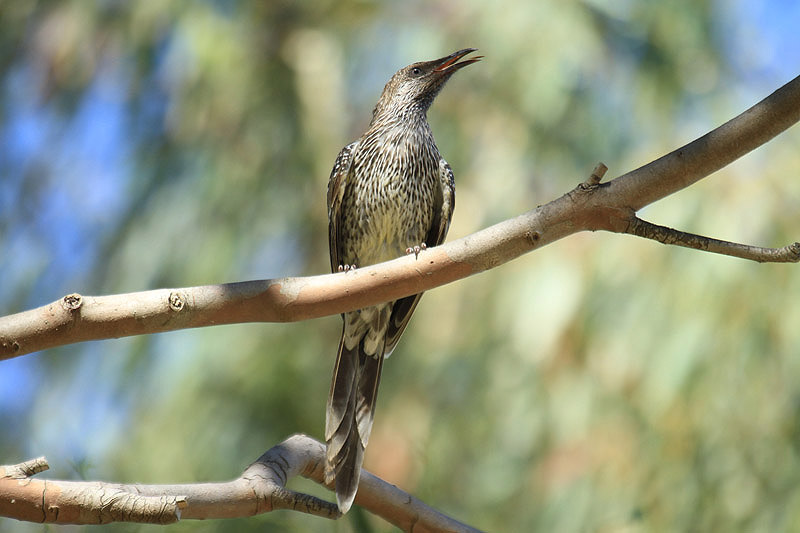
<point x="603" y="383"/>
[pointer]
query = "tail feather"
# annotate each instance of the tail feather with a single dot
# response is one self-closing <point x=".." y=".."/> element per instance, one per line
<point x="347" y="477"/>
<point x="340" y="440"/>
<point x="342" y="388"/>
<point x="368" y="382"/>
<point x="348" y="423"/>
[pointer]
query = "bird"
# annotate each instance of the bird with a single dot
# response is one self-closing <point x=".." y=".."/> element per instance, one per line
<point x="390" y="193"/>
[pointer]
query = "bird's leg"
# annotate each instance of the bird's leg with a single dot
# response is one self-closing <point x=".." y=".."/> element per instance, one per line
<point x="346" y="268"/>
<point x="416" y="249"/>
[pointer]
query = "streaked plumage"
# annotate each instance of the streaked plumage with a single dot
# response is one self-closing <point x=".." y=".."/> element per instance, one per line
<point x="388" y="191"/>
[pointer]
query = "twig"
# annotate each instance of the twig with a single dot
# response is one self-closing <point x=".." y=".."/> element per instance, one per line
<point x="25" y="469"/>
<point x="665" y="235"/>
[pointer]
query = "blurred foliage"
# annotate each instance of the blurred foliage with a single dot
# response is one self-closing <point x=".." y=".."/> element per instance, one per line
<point x="603" y="383"/>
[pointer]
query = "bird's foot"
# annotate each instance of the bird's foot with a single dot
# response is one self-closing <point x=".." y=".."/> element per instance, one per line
<point x="346" y="268"/>
<point x="416" y="249"/>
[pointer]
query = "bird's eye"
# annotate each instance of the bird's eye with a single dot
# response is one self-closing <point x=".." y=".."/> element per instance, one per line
<point x="416" y="71"/>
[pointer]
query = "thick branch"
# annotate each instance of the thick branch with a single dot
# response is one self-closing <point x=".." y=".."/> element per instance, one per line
<point x="590" y="206"/>
<point x="711" y="152"/>
<point x="260" y="489"/>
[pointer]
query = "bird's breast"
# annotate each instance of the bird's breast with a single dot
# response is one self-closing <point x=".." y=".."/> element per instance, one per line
<point x="391" y="204"/>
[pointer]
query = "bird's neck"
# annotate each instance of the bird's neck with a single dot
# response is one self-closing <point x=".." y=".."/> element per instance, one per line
<point x="410" y="120"/>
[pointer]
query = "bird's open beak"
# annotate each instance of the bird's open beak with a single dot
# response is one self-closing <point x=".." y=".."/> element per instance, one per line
<point x="449" y="64"/>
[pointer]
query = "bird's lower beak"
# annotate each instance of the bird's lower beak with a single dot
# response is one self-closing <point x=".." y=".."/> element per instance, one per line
<point x="449" y="64"/>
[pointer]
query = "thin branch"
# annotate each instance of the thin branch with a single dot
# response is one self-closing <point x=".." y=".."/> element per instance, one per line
<point x="587" y="207"/>
<point x="25" y="469"/>
<point x="260" y="489"/>
<point x="665" y="235"/>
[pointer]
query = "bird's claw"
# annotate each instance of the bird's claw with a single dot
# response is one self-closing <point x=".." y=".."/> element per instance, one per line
<point x="416" y="250"/>
<point x="346" y="268"/>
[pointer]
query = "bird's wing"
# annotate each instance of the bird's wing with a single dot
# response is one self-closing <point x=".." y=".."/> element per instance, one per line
<point x="351" y="384"/>
<point x="337" y="184"/>
<point x="444" y="203"/>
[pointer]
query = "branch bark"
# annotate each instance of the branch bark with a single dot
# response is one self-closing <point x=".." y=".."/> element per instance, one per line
<point x="590" y="206"/>
<point x="260" y="489"/>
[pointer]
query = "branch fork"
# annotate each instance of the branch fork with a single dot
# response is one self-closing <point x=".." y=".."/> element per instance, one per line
<point x="626" y="221"/>
<point x="260" y="489"/>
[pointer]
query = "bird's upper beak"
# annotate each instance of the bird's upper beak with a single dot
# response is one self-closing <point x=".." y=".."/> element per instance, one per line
<point x="450" y="64"/>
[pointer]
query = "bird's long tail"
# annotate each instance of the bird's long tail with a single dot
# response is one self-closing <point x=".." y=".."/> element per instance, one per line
<point x="351" y="408"/>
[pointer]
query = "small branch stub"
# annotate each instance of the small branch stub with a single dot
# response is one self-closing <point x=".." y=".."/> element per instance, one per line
<point x="176" y="302"/>
<point x="72" y="302"/>
<point x="597" y="175"/>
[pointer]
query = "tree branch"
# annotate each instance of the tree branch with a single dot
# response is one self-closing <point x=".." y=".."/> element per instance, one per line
<point x="590" y="206"/>
<point x="665" y="235"/>
<point x="711" y="152"/>
<point x="260" y="489"/>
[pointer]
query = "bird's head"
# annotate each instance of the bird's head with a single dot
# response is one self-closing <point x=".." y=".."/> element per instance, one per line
<point x="414" y="87"/>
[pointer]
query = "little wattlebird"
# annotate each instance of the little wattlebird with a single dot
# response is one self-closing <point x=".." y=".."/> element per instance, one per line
<point x="390" y="192"/>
